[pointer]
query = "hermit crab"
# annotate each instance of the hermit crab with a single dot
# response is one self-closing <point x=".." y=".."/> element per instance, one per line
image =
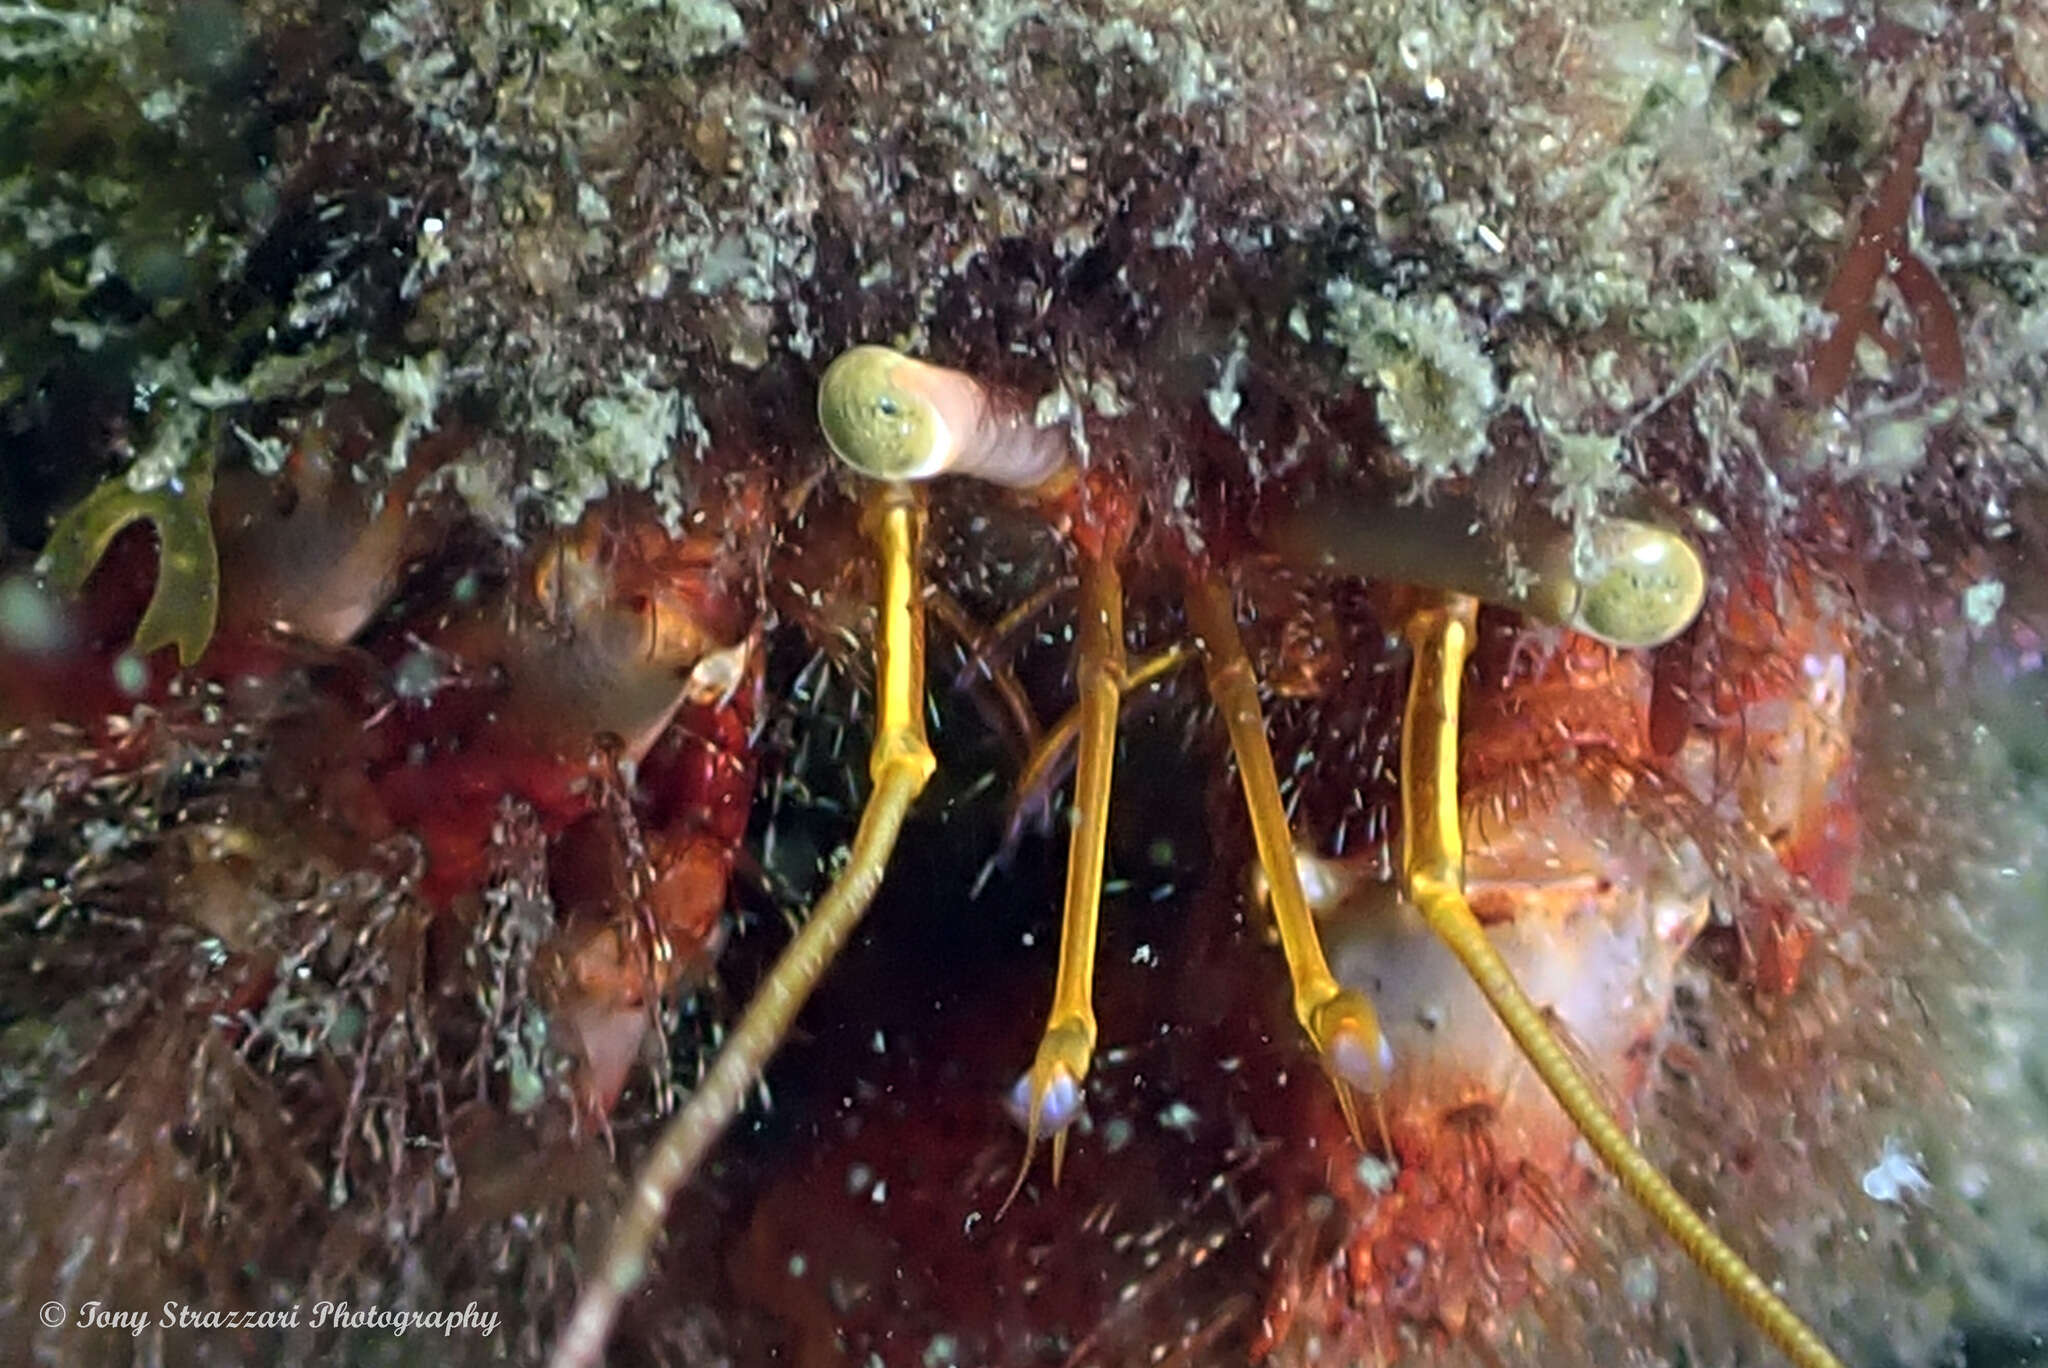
<point x="1621" y="583"/>
<point x="537" y="707"/>
<point x="1540" y="874"/>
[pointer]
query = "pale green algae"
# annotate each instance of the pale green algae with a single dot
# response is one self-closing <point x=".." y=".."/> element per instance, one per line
<point x="1433" y="384"/>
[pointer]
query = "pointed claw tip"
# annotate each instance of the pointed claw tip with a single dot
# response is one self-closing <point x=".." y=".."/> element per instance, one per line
<point x="1044" y="1101"/>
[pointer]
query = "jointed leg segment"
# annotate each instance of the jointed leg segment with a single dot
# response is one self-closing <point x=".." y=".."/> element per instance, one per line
<point x="1043" y="762"/>
<point x="1439" y="633"/>
<point x="1048" y="1096"/>
<point x="900" y="764"/>
<point x="1339" y="1020"/>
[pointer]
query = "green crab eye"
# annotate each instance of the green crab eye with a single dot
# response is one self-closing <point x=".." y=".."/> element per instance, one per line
<point x="186" y="600"/>
<point x="877" y="421"/>
<point x="1639" y="585"/>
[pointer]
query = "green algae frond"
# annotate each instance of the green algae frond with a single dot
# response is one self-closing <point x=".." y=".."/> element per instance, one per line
<point x="186" y="600"/>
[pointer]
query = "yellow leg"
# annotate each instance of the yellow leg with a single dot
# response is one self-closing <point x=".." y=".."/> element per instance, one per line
<point x="900" y="765"/>
<point x="1048" y="1096"/>
<point x="1433" y="870"/>
<point x="1046" y="754"/>
<point x="1339" y="1020"/>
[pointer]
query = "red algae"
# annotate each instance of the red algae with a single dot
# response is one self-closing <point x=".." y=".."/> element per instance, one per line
<point x="1881" y="250"/>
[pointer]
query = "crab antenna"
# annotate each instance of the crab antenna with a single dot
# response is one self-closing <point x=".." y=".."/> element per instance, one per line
<point x="1439" y="632"/>
<point x="900" y="765"/>
<point x="1339" y="1020"/>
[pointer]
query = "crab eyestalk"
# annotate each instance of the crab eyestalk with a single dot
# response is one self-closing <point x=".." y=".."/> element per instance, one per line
<point x="1627" y="583"/>
<point x="892" y="417"/>
<point x="1619" y="580"/>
